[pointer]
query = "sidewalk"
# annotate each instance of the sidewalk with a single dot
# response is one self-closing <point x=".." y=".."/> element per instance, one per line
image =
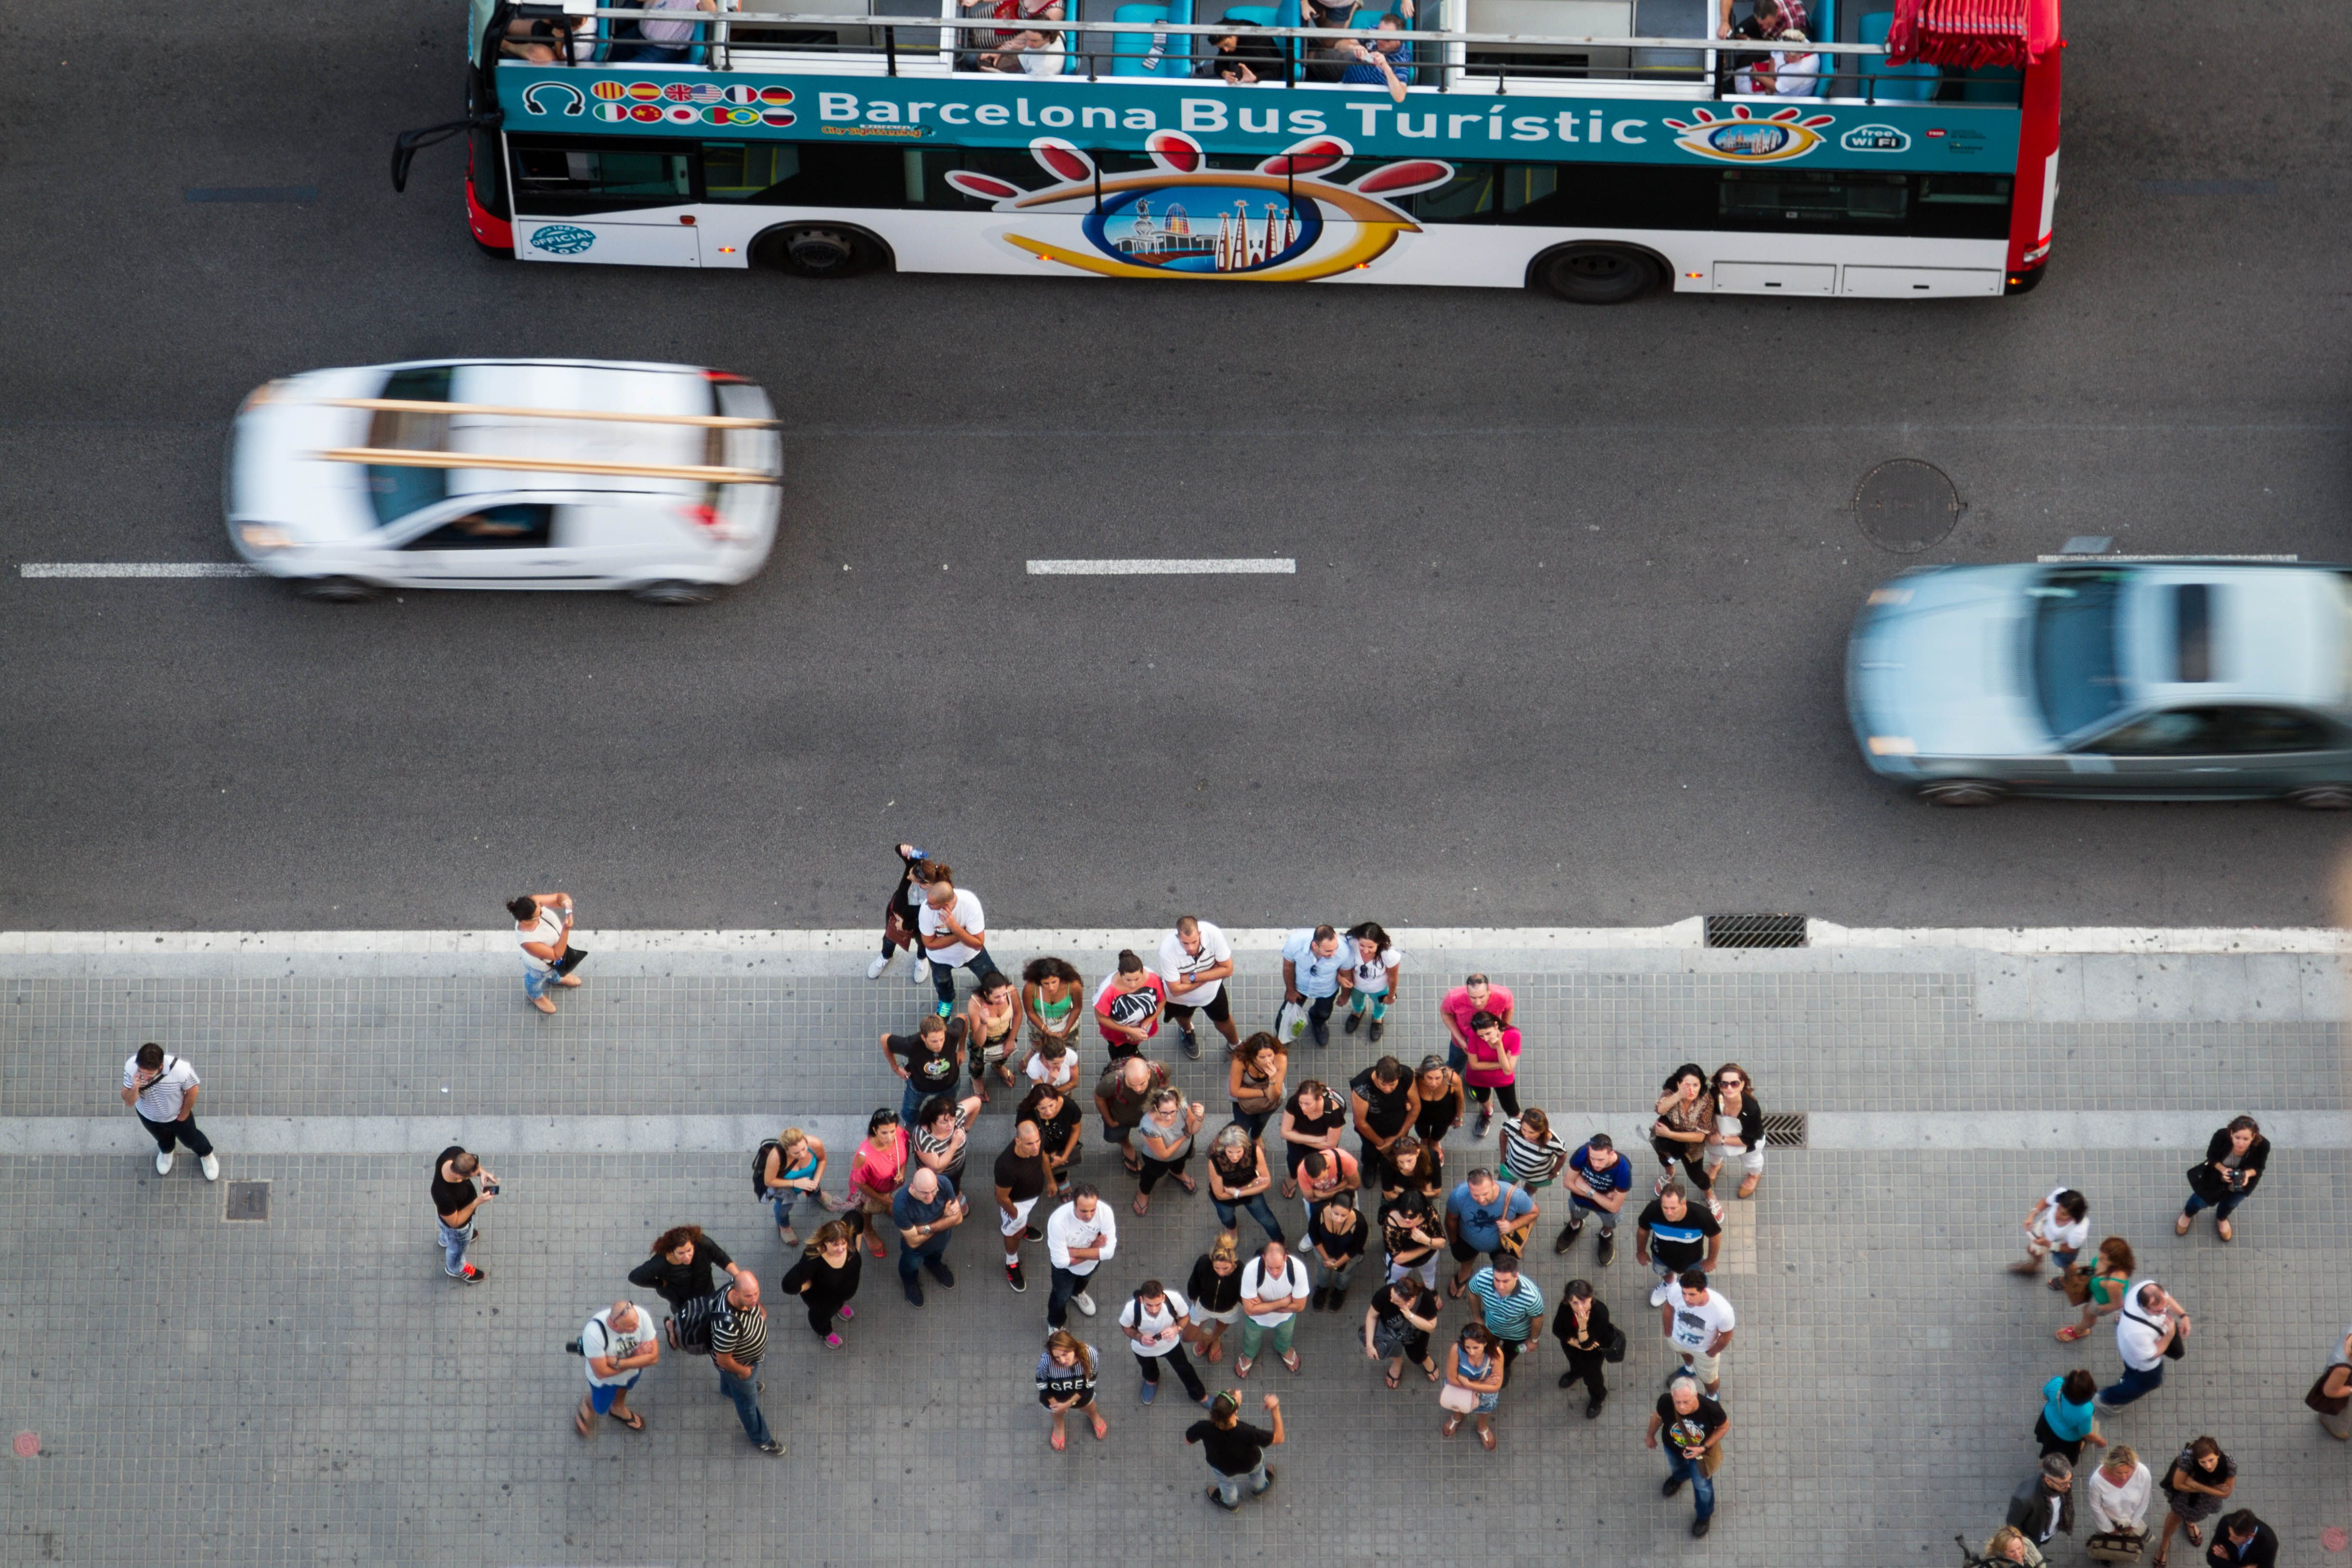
<point x="312" y="1390"/>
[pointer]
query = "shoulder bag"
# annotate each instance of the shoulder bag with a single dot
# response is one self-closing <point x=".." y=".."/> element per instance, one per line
<point x="2319" y="1400"/>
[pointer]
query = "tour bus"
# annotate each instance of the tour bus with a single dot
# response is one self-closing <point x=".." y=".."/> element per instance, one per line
<point x="1886" y="149"/>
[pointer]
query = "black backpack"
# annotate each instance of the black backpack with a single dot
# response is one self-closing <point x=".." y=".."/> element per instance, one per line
<point x="760" y="1167"/>
<point x="690" y="1329"/>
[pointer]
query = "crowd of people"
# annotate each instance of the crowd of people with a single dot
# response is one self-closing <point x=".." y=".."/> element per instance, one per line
<point x="1423" y="1206"/>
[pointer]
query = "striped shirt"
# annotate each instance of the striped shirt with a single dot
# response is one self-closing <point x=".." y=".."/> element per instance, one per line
<point x="1506" y="1317"/>
<point x="740" y="1334"/>
<point x="1532" y="1164"/>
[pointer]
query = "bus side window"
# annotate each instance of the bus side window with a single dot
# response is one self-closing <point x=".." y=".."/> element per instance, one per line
<point x="1814" y="198"/>
<point x="561" y="179"/>
<point x="747" y="171"/>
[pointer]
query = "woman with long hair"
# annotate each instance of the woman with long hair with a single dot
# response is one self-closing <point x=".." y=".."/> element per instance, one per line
<point x="2111" y="1270"/>
<point x="1474" y="1382"/>
<point x="792" y="1168"/>
<point x="825" y="1278"/>
<point x="1686" y="1120"/>
<point x="1216" y="1290"/>
<point x="1050" y="1004"/>
<point x="1253" y="1076"/>
<point x="1414" y="1167"/>
<point x="2233" y="1167"/>
<point x="1314" y="1118"/>
<point x="1739" y="1127"/>
<point x="680" y="1267"/>
<point x="1065" y="1381"/>
<point x="876" y="1172"/>
<point x="1238" y="1180"/>
<point x="1376" y="976"/>
<point x="992" y="1015"/>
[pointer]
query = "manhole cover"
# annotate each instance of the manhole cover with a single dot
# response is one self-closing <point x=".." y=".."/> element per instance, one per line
<point x="1905" y="505"/>
<point x="247" y="1200"/>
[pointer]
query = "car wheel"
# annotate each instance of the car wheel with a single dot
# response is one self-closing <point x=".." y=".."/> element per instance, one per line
<point x="2322" y="798"/>
<point x="1597" y="273"/>
<point x="1962" y="792"/>
<point x="674" y="592"/>
<point x="819" y="250"/>
<point x="337" y="590"/>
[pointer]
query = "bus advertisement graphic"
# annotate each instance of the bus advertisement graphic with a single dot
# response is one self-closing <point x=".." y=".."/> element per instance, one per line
<point x="1283" y="222"/>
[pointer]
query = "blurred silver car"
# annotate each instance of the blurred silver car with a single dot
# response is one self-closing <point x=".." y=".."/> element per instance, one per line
<point x="2169" y="680"/>
<point x="530" y="473"/>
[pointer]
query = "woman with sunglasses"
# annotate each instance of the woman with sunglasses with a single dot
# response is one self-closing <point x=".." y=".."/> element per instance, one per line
<point x="1738" y="1129"/>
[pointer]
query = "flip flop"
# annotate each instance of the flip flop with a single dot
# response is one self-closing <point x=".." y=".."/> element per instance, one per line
<point x="1390" y="1378"/>
<point x="1487" y="1441"/>
<point x="1453" y="1424"/>
<point x="1290" y="1190"/>
<point x="1059" y="1441"/>
<point x="582" y="1419"/>
<point x="1142" y="1204"/>
<point x="633" y="1421"/>
<point x="1429" y="1369"/>
<point x="2070" y="1333"/>
<point x="1290" y="1360"/>
<point x="1187" y="1183"/>
<point x="1102" y="1428"/>
<point x="1216" y="1353"/>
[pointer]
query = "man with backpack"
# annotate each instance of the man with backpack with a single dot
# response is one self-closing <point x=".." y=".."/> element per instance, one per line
<point x="618" y="1344"/>
<point x="730" y="1326"/>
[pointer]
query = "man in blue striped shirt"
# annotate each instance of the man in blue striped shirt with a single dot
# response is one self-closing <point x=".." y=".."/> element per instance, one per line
<point x="1509" y="1304"/>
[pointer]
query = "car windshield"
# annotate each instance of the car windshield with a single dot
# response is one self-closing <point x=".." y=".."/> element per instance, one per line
<point x="397" y="491"/>
<point x="2074" y="639"/>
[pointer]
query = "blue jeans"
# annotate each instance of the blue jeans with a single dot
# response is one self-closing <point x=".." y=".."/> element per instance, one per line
<point x="1702" y="1488"/>
<point x="1254" y="1120"/>
<point x="452" y="1243"/>
<point x="930" y="1251"/>
<point x="1257" y="1211"/>
<point x="1229" y="1487"/>
<point x="943" y="974"/>
<point x="745" y="1392"/>
<point x="782" y="1204"/>
<point x="2221" y="1210"/>
<point x="536" y="979"/>
<point x="2134" y="1384"/>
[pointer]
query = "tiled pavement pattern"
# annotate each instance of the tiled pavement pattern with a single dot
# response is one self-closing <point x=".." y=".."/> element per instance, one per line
<point x="313" y="1390"/>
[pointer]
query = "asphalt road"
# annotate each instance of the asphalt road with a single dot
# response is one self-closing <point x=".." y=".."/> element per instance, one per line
<point x="1564" y="645"/>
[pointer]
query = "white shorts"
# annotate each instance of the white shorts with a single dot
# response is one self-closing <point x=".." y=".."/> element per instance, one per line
<point x="1201" y="1314"/>
<point x="1709" y="1367"/>
<point x="1426" y="1269"/>
<point x="1751" y="1161"/>
<point x="1019" y="1219"/>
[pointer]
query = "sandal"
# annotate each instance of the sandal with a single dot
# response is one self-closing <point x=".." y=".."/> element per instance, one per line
<point x="1453" y="1424"/>
<point x="1216" y="1351"/>
<point x="1102" y="1428"/>
<point x="633" y="1421"/>
<point x="2196" y="1536"/>
<point x="1290" y="1360"/>
<point x="1290" y="1190"/>
<point x="1190" y="1185"/>
<point x="583" y="1419"/>
<point x="1242" y="1367"/>
<point x="1060" y="1441"/>
<point x="2070" y="1333"/>
<point x="874" y="1244"/>
<point x="1430" y="1368"/>
<point x="1390" y="1378"/>
<point x="1452" y="1291"/>
<point x="1487" y="1441"/>
<point x="1142" y="1202"/>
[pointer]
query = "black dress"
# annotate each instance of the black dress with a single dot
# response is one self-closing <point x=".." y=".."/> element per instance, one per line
<point x="828" y="1288"/>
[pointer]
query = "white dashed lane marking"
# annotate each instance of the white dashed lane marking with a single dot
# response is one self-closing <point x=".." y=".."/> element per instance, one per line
<point x="134" y="569"/>
<point x="1245" y="566"/>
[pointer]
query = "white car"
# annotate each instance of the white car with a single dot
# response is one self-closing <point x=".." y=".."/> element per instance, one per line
<point x="663" y="480"/>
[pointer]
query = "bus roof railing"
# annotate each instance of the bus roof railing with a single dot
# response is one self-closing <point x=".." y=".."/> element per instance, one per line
<point x="1220" y="30"/>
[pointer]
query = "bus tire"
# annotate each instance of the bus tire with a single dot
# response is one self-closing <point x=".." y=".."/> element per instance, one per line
<point x="1962" y="792"/>
<point x="672" y="591"/>
<point x="821" y="250"/>
<point x="1597" y="273"/>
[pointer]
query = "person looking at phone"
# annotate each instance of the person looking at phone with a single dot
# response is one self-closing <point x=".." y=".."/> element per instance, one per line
<point x="457" y="1195"/>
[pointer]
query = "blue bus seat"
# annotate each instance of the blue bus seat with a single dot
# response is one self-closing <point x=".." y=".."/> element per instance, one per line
<point x="1992" y="84"/>
<point x="1251" y="16"/>
<point x="1913" y="83"/>
<point x="1129" y="49"/>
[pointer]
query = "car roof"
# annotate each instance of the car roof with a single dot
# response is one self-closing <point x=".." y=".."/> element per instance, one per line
<point x="2280" y="633"/>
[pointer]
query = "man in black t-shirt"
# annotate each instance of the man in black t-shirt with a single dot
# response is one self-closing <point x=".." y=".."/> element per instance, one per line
<point x="930" y="1061"/>
<point x="454" y="1200"/>
<point x="1675" y="1235"/>
<point x="1057" y="1117"/>
<point x="1236" y="1451"/>
<point x="1385" y="1103"/>
<point x="1022" y="1176"/>
<point x="1693" y="1425"/>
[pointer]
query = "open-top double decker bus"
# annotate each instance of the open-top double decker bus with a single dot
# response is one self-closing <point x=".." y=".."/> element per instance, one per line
<point x="1898" y="149"/>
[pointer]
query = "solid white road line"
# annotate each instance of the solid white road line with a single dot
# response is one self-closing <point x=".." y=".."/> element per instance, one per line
<point x="134" y="569"/>
<point x="1931" y="1132"/>
<point x="1240" y="565"/>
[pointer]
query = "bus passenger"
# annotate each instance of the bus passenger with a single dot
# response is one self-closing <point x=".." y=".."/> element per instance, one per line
<point x="1796" y="73"/>
<point x="1246" y="61"/>
<point x="1389" y="61"/>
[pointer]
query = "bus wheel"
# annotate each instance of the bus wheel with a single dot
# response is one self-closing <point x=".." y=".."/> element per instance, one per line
<point x="674" y="592"/>
<point x="1597" y="273"/>
<point x="819" y="250"/>
<point x="336" y="589"/>
<point x="2322" y="798"/>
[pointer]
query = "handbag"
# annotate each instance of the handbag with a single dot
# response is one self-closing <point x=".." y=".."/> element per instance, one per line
<point x="1460" y="1400"/>
<point x="2326" y="1404"/>
<point x="2115" y="1546"/>
<point x="1614" y="1350"/>
<point x="1710" y="1460"/>
<point x="2208" y="1183"/>
<point x="2077" y="1282"/>
<point x="1290" y="1022"/>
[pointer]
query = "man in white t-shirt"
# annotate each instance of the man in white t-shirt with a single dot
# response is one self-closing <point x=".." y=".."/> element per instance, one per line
<point x="1698" y="1324"/>
<point x="1154" y="1320"/>
<point x="161" y="1090"/>
<point x="2149" y="1320"/>
<point x="1196" y="960"/>
<point x="2055" y="1229"/>
<point x="618" y="1344"/>
<point x="1274" y="1288"/>
<point x="1080" y="1235"/>
<point x="955" y="933"/>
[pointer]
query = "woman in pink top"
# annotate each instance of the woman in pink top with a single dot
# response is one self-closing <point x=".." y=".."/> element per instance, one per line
<point x="1494" y="1068"/>
<point x="876" y="1171"/>
<point x="1465" y="1001"/>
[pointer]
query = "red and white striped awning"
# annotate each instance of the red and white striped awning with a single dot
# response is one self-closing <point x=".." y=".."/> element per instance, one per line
<point x="1972" y="33"/>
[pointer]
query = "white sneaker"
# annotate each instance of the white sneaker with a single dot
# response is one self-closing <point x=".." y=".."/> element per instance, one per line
<point x="162" y="1162"/>
<point x="211" y="1164"/>
<point x="1658" y="1187"/>
<point x="917" y="970"/>
<point x="1658" y="1297"/>
<point x="1084" y="1303"/>
<point x="874" y="970"/>
<point x="1714" y="1205"/>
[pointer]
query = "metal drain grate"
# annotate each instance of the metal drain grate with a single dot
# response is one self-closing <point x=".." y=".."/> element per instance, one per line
<point x="1755" y="930"/>
<point x="1784" y="1129"/>
<point x="247" y="1200"/>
